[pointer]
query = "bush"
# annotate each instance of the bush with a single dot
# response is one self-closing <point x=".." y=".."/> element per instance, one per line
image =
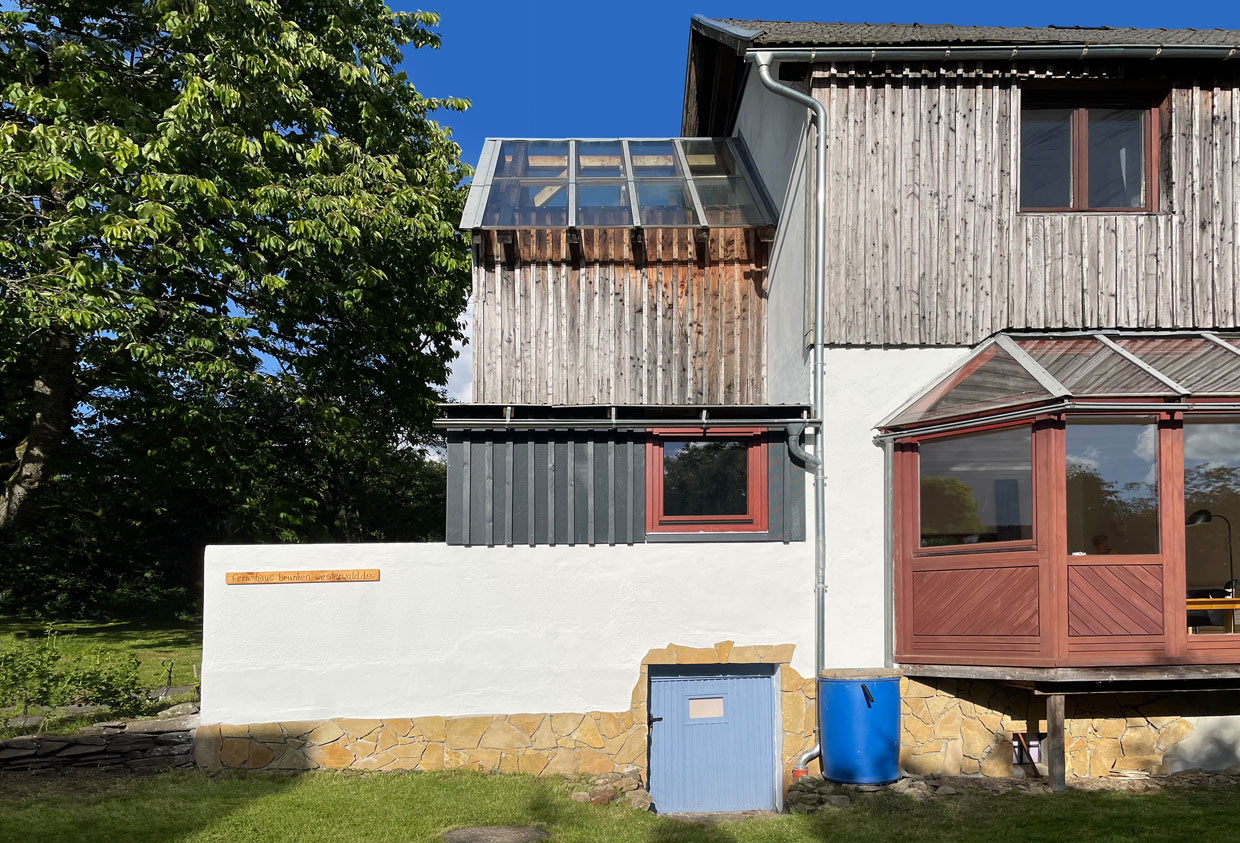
<point x="30" y="673"/>
<point x="38" y="673"/>
<point x="107" y="677"/>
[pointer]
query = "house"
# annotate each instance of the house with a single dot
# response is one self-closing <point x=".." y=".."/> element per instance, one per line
<point x="995" y="267"/>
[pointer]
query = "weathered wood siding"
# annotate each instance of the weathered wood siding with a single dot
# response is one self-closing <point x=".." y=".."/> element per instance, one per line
<point x="927" y="246"/>
<point x="556" y="324"/>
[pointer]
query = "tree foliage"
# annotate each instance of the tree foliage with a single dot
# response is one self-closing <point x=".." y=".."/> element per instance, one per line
<point x="230" y="278"/>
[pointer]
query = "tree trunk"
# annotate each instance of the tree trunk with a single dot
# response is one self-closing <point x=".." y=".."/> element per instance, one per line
<point x="55" y="394"/>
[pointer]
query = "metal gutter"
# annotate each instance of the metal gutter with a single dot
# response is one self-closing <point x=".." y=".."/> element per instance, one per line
<point x="762" y="61"/>
<point x="1005" y="53"/>
<point x="616" y="423"/>
<point x="1058" y="407"/>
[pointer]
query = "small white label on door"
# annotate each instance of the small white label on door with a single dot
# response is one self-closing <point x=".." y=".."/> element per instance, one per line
<point x="702" y="708"/>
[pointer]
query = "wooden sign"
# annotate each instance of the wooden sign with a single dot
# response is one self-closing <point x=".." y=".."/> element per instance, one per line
<point x="268" y="577"/>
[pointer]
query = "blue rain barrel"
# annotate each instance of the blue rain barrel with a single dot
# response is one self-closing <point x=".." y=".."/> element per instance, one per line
<point x="859" y="718"/>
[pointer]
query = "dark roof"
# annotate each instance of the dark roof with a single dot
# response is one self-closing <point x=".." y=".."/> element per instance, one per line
<point x="769" y="33"/>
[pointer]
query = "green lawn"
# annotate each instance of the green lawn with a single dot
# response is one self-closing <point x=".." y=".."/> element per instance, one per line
<point x="153" y="643"/>
<point x="347" y="808"/>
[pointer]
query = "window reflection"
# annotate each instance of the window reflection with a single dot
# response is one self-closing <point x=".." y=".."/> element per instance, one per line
<point x="977" y="488"/>
<point x="1046" y="158"/>
<point x="705" y="477"/>
<point x="1112" y="471"/>
<point x="1212" y="485"/>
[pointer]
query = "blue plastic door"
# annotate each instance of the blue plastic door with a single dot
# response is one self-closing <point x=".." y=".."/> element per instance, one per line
<point x="712" y="743"/>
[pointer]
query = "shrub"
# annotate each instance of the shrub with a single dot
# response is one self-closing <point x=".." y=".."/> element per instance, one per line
<point x="30" y="673"/>
<point x="102" y="676"/>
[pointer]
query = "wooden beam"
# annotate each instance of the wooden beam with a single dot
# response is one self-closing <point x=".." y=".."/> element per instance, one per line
<point x="1056" y="762"/>
<point x="1143" y="673"/>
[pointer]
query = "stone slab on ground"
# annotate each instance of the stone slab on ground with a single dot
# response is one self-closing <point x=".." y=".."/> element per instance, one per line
<point x="495" y="834"/>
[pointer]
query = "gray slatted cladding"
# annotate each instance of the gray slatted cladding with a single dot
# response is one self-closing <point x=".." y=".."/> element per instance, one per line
<point x="581" y="486"/>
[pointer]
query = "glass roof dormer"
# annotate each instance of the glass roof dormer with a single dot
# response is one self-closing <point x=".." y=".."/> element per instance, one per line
<point x="616" y="183"/>
<point x="1018" y="371"/>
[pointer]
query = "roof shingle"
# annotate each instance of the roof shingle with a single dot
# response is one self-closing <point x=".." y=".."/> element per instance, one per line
<point x="827" y="34"/>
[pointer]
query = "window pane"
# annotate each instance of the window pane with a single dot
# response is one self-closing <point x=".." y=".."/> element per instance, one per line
<point x="654" y="159"/>
<point x="518" y="202"/>
<point x="1087" y="367"/>
<point x="977" y="488"/>
<point x="600" y="159"/>
<point x="728" y="201"/>
<point x="665" y="202"/>
<point x="709" y="157"/>
<point x="1196" y="363"/>
<point x="705" y="477"/>
<point x="1046" y="157"/>
<point x="1116" y="153"/>
<point x="1112" y="470"/>
<point x="533" y="159"/>
<point x="1212" y="483"/>
<point x="606" y="203"/>
<point x="988" y="380"/>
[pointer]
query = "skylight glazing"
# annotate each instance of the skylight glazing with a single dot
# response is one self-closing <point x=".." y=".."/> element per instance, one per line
<point x="609" y="183"/>
<point x="1012" y="371"/>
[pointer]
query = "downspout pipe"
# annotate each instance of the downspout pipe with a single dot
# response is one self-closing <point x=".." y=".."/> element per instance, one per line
<point x="762" y="62"/>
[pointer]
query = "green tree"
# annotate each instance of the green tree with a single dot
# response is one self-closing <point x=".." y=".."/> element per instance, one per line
<point x="231" y="221"/>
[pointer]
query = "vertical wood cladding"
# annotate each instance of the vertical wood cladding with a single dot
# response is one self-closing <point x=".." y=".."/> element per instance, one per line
<point x="679" y="323"/>
<point x="927" y="245"/>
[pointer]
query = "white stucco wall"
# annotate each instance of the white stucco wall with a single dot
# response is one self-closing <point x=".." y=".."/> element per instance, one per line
<point x="776" y="132"/>
<point x="863" y="386"/>
<point x="457" y="631"/>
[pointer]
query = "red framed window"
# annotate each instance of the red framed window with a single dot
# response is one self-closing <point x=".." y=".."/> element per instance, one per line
<point x="1082" y="153"/>
<point x="706" y="481"/>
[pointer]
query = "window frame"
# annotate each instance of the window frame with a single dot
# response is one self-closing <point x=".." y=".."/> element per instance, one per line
<point x="1080" y="105"/>
<point x="755" y="520"/>
<point x="917" y="550"/>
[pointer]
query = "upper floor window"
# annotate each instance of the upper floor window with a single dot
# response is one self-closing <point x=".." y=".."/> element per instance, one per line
<point x="1097" y="155"/>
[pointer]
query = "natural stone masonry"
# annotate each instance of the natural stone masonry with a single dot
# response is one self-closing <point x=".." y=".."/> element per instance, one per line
<point x="965" y="727"/>
<point x="136" y="745"/>
<point x="593" y="743"/>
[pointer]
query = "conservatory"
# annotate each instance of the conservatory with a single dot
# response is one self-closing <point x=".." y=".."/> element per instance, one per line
<point x="1067" y="500"/>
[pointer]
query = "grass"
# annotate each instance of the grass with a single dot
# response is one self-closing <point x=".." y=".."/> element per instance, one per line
<point x="194" y="807"/>
<point x="153" y="643"/>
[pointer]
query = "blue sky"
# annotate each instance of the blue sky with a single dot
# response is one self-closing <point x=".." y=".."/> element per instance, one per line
<point x="609" y="69"/>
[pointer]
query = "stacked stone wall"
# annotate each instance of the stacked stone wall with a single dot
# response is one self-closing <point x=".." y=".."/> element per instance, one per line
<point x="595" y="742"/>
<point x="136" y="745"/>
<point x="952" y="727"/>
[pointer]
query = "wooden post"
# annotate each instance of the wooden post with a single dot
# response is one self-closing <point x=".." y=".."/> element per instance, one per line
<point x="1055" y="737"/>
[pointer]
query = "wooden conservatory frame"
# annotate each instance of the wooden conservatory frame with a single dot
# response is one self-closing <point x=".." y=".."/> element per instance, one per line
<point x="1030" y="603"/>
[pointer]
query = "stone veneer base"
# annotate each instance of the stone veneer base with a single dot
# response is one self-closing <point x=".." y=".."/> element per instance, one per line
<point x="954" y="727"/>
<point x="593" y="742"/>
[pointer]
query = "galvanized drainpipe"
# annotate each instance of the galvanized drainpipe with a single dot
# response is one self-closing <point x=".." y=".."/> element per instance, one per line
<point x="762" y="60"/>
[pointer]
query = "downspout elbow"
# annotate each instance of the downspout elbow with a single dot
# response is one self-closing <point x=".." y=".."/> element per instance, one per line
<point x="801" y="767"/>
<point x="795" y="431"/>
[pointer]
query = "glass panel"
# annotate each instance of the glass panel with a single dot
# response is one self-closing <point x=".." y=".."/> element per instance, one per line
<point x="533" y="159"/>
<point x="518" y="202"/>
<point x="1112" y="470"/>
<point x="1212" y="504"/>
<point x="986" y="381"/>
<point x="705" y="708"/>
<point x="600" y="159"/>
<point x="977" y="488"/>
<point x="1116" y="157"/>
<point x="705" y="477"/>
<point x="709" y="158"/>
<point x="727" y="201"/>
<point x="603" y="204"/>
<point x="665" y="202"/>
<point x="1087" y="367"/>
<point x="1045" y="157"/>
<point x="1194" y="363"/>
<point x="654" y="159"/>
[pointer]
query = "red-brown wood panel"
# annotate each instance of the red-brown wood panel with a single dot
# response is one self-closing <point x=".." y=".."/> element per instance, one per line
<point x="985" y="602"/>
<point x="1115" y="600"/>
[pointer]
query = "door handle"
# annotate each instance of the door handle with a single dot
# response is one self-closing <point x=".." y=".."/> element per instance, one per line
<point x="650" y="721"/>
<point x="869" y="698"/>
